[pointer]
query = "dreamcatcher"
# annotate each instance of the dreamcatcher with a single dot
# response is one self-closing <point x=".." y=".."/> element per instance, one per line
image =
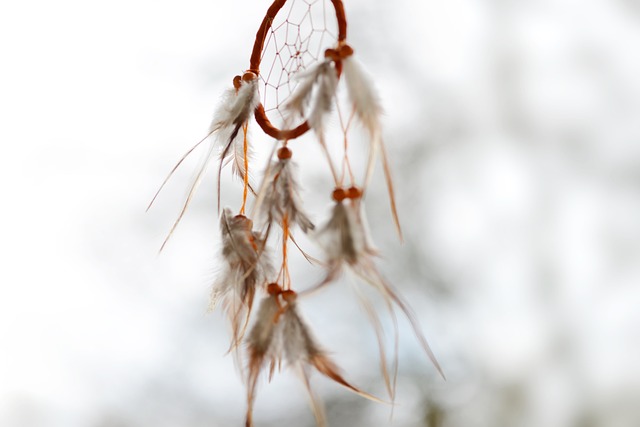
<point x="299" y="65"/>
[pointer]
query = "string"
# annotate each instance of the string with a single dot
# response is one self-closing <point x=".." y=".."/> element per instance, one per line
<point x="296" y="40"/>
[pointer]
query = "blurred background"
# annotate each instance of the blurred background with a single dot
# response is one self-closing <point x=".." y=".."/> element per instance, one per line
<point x="513" y="129"/>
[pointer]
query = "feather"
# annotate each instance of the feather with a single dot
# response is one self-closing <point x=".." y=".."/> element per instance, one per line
<point x="370" y="274"/>
<point x="365" y="101"/>
<point x="389" y="380"/>
<point x="280" y="196"/>
<point x="261" y="345"/>
<point x="301" y="97"/>
<point x="236" y="106"/>
<point x="233" y="112"/>
<point x="346" y="241"/>
<point x="316" y="92"/>
<point x="323" y="100"/>
<point x="367" y="108"/>
<point x="345" y="237"/>
<point x="280" y="333"/>
<point x="246" y="267"/>
<point x="241" y="149"/>
<point x="316" y="405"/>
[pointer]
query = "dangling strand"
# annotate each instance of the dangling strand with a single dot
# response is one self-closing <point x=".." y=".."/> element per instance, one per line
<point x="245" y="149"/>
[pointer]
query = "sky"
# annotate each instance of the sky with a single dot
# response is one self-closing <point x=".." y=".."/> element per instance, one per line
<point x="513" y="132"/>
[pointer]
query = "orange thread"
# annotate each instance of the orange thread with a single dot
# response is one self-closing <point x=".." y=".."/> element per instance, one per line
<point x="285" y="238"/>
<point x="245" y="150"/>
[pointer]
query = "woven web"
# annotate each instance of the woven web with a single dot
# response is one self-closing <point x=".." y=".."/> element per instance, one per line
<point x="296" y="40"/>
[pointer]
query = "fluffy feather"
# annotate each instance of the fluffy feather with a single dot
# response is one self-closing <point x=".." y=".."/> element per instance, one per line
<point x="345" y="237"/>
<point x="365" y="100"/>
<point x="323" y="101"/>
<point x="281" y="197"/>
<point x="233" y="112"/>
<point x="367" y="108"/>
<point x="236" y="106"/>
<point x="280" y="333"/>
<point x="302" y="95"/>
<point x="346" y="241"/>
<point x="316" y="93"/>
<point x="246" y="268"/>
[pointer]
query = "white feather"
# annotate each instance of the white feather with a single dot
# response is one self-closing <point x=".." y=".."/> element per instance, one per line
<point x="316" y="93"/>
<point x="323" y="101"/>
<point x="280" y="197"/>
<point x="345" y="237"/>
<point x="365" y="100"/>
<point x="234" y="110"/>
<point x="236" y="106"/>
<point x="237" y="155"/>
<point x="299" y="100"/>
<point x="367" y="108"/>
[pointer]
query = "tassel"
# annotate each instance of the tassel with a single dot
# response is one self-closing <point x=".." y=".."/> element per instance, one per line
<point x="346" y="241"/>
<point x="280" y="333"/>
<point x="247" y="267"/>
<point x="279" y="198"/>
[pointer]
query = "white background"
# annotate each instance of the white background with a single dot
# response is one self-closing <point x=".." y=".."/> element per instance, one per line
<point x="514" y="132"/>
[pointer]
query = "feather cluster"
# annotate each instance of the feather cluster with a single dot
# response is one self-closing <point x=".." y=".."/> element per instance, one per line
<point x="247" y="268"/>
<point x="234" y="112"/>
<point x="313" y="99"/>
<point x="314" y="95"/>
<point x="279" y="334"/>
<point x="237" y="105"/>
<point x="346" y="241"/>
<point x="279" y="199"/>
<point x="345" y="238"/>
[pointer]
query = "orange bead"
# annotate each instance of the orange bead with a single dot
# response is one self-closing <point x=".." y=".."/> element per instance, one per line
<point x="273" y="289"/>
<point x="289" y="296"/>
<point x="284" y="153"/>
<point x="249" y="76"/>
<point x="345" y="51"/>
<point x="354" y="193"/>
<point x="237" y="81"/>
<point x="339" y="194"/>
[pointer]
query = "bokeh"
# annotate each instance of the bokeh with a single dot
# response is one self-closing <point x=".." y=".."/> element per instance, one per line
<point x="513" y="130"/>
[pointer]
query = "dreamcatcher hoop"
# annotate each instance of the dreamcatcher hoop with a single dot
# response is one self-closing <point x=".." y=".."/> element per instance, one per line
<point x="256" y="59"/>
